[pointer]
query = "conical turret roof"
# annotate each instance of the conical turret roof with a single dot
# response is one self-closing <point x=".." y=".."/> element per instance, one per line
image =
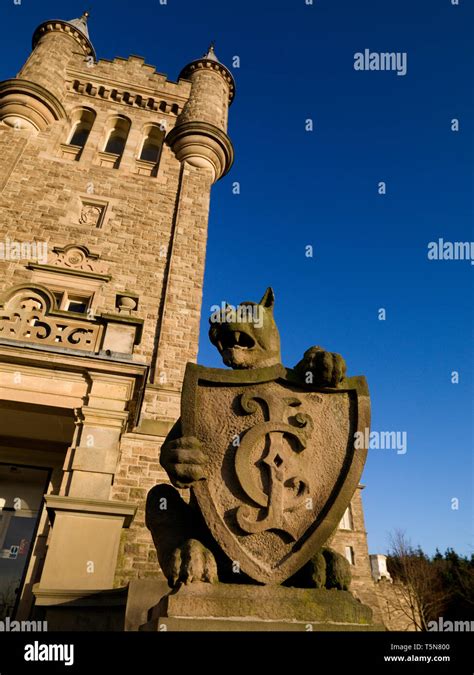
<point x="81" y="24"/>
<point x="211" y="54"/>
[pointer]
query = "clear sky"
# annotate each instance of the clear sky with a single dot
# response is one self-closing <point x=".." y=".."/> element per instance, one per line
<point x="320" y="188"/>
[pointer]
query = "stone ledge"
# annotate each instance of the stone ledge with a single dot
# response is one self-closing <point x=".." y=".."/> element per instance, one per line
<point x="154" y="427"/>
<point x="79" y="598"/>
<point x="98" y="507"/>
<point x="229" y="625"/>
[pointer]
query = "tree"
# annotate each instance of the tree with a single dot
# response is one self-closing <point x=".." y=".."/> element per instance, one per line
<point x="422" y="596"/>
<point x="457" y="573"/>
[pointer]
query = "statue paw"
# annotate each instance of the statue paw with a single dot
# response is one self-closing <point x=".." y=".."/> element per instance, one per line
<point x="192" y="562"/>
<point x="184" y="460"/>
<point x="322" y="368"/>
<point x="338" y="570"/>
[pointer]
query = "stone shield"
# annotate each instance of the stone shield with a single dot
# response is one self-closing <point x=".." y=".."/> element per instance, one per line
<point x="282" y="465"/>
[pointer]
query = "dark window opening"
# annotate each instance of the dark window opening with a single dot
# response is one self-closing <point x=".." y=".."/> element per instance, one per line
<point x="82" y="119"/>
<point x="68" y="302"/>
<point x="80" y="136"/>
<point x="79" y="306"/>
<point x="152" y="144"/>
<point x="150" y="151"/>
<point x="116" y="143"/>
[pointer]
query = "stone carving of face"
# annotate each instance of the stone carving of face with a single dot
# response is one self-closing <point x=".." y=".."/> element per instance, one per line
<point x="246" y="336"/>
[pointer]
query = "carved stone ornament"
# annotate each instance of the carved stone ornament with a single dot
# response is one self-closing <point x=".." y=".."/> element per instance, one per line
<point x="77" y="258"/>
<point x="25" y="317"/>
<point x="91" y="214"/>
<point x="281" y="464"/>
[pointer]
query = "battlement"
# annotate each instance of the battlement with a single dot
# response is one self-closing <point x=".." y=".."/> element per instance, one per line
<point x="135" y="70"/>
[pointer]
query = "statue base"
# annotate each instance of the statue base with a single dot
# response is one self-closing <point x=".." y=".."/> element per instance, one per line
<point x="235" y="607"/>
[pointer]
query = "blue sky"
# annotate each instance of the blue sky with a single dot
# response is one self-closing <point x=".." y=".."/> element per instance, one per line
<point x="320" y="188"/>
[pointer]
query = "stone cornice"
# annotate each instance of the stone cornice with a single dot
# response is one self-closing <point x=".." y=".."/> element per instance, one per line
<point x="38" y="356"/>
<point x="108" y="90"/>
<point x="65" y="270"/>
<point x="46" y="363"/>
<point x="92" y="506"/>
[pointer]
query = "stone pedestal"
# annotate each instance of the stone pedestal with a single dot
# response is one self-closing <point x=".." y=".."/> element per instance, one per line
<point x="84" y="543"/>
<point x="235" y="607"/>
<point x="69" y="610"/>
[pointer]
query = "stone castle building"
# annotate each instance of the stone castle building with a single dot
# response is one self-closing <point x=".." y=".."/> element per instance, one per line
<point x="106" y="169"/>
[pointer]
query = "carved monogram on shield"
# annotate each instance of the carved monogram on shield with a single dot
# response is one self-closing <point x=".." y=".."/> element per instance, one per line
<point x="286" y="436"/>
<point x="281" y="466"/>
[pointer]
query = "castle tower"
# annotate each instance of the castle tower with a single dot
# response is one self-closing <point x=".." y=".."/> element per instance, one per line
<point x="350" y="540"/>
<point x="199" y="141"/>
<point x="106" y="169"/>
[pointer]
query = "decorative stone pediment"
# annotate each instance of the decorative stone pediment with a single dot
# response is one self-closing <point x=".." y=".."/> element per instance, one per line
<point x="77" y="257"/>
<point x="29" y="314"/>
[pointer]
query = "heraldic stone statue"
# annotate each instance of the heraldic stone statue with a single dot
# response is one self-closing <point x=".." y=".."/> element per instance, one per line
<point x="265" y="459"/>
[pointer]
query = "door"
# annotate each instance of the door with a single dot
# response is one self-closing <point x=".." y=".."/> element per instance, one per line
<point x="21" y="500"/>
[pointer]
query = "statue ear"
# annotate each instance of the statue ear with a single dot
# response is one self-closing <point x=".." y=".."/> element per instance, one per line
<point x="268" y="299"/>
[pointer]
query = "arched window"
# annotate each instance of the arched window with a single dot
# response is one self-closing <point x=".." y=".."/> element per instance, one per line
<point x="117" y="135"/>
<point x="82" y="120"/>
<point x="152" y="144"/>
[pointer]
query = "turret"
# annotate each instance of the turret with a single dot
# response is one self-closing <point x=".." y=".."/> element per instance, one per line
<point x="54" y="42"/>
<point x="199" y="136"/>
<point x="34" y="98"/>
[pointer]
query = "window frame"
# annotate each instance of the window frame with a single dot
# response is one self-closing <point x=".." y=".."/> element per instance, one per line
<point x="349" y="554"/>
<point x="81" y="117"/>
<point x="347" y="518"/>
<point x="121" y="125"/>
<point x="68" y="296"/>
<point x="149" y="131"/>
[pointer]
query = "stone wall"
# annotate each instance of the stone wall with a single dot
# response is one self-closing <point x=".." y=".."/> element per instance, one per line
<point x="138" y="472"/>
<point x="395" y="605"/>
<point x="42" y="196"/>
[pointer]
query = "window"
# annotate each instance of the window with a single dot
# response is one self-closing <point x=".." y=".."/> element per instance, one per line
<point x="349" y="553"/>
<point x="152" y="144"/>
<point x="117" y="136"/>
<point x="72" y="302"/>
<point x="346" y="520"/>
<point x="83" y="120"/>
